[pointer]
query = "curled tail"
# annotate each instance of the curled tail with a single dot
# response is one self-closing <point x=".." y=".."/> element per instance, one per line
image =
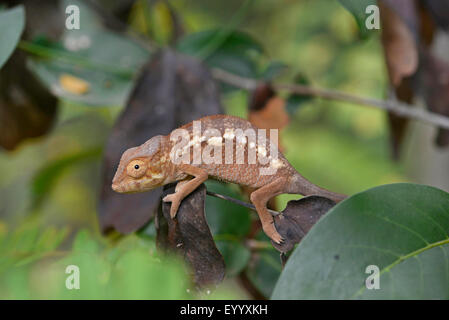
<point x="300" y="185"/>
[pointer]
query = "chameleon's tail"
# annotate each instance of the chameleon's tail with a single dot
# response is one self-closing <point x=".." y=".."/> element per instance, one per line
<point x="300" y="185"/>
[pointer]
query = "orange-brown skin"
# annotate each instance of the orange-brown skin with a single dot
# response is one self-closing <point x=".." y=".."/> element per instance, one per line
<point x="150" y="166"/>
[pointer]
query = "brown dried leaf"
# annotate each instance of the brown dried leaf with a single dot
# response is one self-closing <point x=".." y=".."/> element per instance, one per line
<point x="398" y="39"/>
<point x="189" y="235"/>
<point x="266" y="109"/>
<point x="399" y="34"/>
<point x="171" y="91"/>
<point x="435" y="87"/>
<point x="439" y="11"/>
<point x="298" y="218"/>
<point x="27" y="109"/>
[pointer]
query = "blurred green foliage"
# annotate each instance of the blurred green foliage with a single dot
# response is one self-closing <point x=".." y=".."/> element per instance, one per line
<point x="336" y="145"/>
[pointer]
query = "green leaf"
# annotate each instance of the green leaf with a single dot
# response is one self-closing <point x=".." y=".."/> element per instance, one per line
<point x="274" y="69"/>
<point x="137" y="275"/>
<point x="237" y="42"/>
<point x="235" y="255"/>
<point x="85" y="243"/>
<point x="45" y="178"/>
<point x="226" y="220"/>
<point x="105" y="88"/>
<point x="294" y="101"/>
<point x="29" y="242"/>
<point x="236" y="52"/>
<point x="265" y="267"/>
<point x="12" y="23"/>
<point x="357" y="9"/>
<point x="107" y="61"/>
<point x="400" y="228"/>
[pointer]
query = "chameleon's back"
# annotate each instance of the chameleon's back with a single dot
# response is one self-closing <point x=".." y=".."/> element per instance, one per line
<point x="233" y="150"/>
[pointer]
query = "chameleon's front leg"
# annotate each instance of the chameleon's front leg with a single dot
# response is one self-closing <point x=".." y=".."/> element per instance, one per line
<point x="184" y="188"/>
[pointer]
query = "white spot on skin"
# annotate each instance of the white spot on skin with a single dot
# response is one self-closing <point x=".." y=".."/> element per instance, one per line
<point x="195" y="141"/>
<point x="241" y="140"/>
<point x="262" y="150"/>
<point x="276" y="163"/>
<point x="229" y="134"/>
<point x="252" y="145"/>
<point x="215" y="141"/>
<point x="157" y="176"/>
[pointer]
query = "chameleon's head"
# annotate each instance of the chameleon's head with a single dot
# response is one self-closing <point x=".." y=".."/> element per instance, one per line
<point x="140" y="168"/>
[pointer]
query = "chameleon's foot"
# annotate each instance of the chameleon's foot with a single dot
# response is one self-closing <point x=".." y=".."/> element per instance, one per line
<point x="175" y="200"/>
<point x="271" y="232"/>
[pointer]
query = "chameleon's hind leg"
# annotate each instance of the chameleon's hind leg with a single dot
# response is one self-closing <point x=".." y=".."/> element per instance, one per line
<point x="260" y="198"/>
<point x="184" y="188"/>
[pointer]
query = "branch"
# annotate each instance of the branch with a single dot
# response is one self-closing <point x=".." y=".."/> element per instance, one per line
<point x="398" y="108"/>
<point x="401" y="109"/>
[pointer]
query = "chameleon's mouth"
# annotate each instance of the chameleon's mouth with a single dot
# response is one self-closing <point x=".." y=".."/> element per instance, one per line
<point x="130" y="187"/>
<point x="121" y="187"/>
<point x="117" y="188"/>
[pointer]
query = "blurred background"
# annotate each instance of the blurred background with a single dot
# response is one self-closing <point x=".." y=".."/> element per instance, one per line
<point x="51" y="179"/>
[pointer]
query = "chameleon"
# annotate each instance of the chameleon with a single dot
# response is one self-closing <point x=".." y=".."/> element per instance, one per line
<point x="156" y="163"/>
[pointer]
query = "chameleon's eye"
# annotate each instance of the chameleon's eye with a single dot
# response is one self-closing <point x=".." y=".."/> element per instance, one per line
<point x="136" y="168"/>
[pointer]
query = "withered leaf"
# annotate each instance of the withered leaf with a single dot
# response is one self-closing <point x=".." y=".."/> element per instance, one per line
<point x="267" y="110"/>
<point x="189" y="235"/>
<point x="435" y="87"/>
<point x="406" y="11"/>
<point x="398" y="38"/>
<point x="439" y="11"/>
<point x="172" y="90"/>
<point x="27" y="109"/>
<point x="298" y="218"/>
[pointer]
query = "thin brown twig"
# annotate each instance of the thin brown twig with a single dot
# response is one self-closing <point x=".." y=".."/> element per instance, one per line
<point x="396" y="107"/>
<point x="239" y="202"/>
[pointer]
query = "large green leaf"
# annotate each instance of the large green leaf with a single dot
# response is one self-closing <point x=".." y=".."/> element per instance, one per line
<point x="235" y="51"/>
<point x="105" y="60"/>
<point x="12" y="22"/>
<point x="400" y="228"/>
<point x="229" y="224"/>
<point x="265" y="267"/>
<point x="235" y="41"/>
<point x="357" y="9"/>
<point x="226" y="220"/>
<point x="46" y="177"/>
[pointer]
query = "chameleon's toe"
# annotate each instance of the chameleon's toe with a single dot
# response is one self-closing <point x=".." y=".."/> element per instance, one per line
<point x="271" y="232"/>
<point x="174" y="209"/>
<point x="175" y="202"/>
<point x="277" y="238"/>
<point x="168" y="198"/>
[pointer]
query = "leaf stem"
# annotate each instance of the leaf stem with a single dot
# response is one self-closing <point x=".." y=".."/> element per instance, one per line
<point x="401" y="109"/>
